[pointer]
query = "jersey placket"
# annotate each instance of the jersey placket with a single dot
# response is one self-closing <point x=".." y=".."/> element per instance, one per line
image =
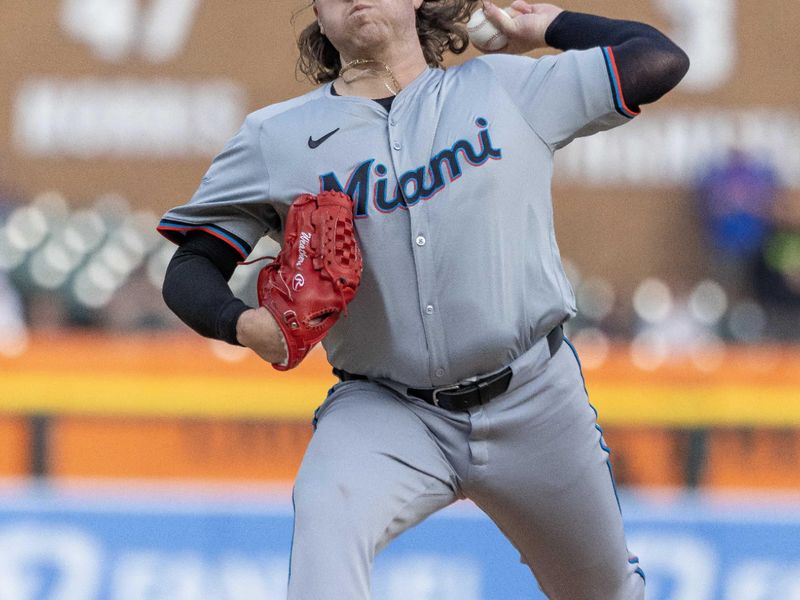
<point x="404" y="159"/>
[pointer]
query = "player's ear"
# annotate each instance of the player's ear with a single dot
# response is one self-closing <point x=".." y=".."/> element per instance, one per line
<point x="316" y="14"/>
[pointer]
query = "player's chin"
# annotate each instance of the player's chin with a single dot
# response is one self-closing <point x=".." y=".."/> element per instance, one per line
<point x="370" y="37"/>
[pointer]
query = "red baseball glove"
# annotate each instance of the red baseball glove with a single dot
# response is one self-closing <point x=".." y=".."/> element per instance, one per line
<point x="317" y="272"/>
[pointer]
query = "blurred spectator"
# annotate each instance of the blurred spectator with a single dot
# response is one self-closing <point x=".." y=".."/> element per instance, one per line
<point x="736" y="200"/>
<point x="778" y="273"/>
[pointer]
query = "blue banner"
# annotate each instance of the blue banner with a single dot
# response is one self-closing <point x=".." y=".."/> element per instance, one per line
<point x="161" y="544"/>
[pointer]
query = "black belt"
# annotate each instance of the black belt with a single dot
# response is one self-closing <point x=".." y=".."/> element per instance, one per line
<point x="466" y="395"/>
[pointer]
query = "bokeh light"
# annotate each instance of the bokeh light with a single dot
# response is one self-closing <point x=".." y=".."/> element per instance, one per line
<point x="708" y="302"/>
<point x="652" y="300"/>
<point x="11" y="256"/>
<point x="707" y="353"/>
<point x="26" y="228"/>
<point x="595" y="297"/>
<point x="157" y="264"/>
<point x="593" y="347"/>
<point x="649" y="350"/>
<point x="51" y="265"/>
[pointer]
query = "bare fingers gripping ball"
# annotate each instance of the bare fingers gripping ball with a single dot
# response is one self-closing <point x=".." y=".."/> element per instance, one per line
<point x="308" y="285"/>
<point x="484" y="35"/>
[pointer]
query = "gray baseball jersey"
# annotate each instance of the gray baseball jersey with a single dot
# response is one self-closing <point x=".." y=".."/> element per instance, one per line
<point x="462" y="277"/>
<point x="452" y="197"/>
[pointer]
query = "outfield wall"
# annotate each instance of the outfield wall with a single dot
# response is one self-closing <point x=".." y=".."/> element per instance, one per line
<point x="180" y="407"/>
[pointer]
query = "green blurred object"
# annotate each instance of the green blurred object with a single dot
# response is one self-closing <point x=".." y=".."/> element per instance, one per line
<point x="782" y="252"/>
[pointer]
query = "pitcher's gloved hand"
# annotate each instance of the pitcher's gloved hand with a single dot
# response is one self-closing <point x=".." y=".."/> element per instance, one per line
<point x="309" y="284"/>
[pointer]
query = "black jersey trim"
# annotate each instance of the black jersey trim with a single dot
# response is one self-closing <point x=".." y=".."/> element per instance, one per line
<point x="175" y="230"/>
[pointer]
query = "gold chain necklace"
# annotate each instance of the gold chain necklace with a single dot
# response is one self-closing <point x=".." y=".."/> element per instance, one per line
<point x="394" y="89"/>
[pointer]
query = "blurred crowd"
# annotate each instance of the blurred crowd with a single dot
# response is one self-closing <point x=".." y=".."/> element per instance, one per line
<point x="94" y="267"/>
<point x="100" y="267"/>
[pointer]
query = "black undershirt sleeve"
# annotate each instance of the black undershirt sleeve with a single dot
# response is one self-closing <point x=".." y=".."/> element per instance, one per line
<point x="196" y="286"/>
<point x="649" y="63"/>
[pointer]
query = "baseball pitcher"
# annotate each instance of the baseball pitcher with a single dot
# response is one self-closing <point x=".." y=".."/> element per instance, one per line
<point x="413" y="206"/>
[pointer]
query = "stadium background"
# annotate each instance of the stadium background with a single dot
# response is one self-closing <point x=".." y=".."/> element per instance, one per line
<point x="139" y="461"/>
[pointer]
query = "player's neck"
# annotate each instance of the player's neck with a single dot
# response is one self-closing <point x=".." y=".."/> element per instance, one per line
<point x="379" y="75"/>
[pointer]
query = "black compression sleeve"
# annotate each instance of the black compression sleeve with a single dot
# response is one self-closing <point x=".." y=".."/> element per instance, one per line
<point x="196" y="286"/>
<point x="648" y="62"/>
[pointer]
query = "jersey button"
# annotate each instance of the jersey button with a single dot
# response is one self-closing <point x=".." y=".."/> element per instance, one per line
<point x="396" y="146"/>
<point x="420" y="240"/>
<point x="429" y="309"/>
<point x="392" y="122"/>
<point x="439" y="372"/>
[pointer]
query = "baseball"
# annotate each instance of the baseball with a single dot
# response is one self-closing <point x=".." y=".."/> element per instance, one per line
<point x="484" y="35"/>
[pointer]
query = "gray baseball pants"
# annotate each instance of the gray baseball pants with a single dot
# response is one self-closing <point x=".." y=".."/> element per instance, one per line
<point x="533" y="459"/>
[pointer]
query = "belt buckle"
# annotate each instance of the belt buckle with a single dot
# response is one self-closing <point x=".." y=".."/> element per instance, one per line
<point x="437" y="391"/>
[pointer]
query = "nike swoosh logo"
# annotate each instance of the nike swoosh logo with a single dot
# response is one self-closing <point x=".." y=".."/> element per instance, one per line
<point x="312" y="143"/>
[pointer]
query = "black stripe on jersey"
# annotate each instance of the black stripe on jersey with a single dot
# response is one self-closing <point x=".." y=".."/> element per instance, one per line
<point x="175" y="231"/>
